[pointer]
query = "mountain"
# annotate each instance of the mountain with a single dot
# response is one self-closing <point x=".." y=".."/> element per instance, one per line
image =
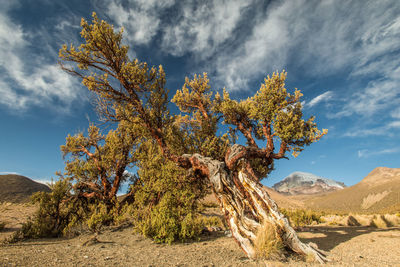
<point x="300" y="183"/>
<point x="379" y="192"/>
<point x="17" y="188"/>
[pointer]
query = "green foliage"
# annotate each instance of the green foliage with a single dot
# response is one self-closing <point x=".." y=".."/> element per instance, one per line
<point x="200" y="123"/>
<point x="56" y="214"/>
<point x="166" y="198"/>
<point x="300" y="217"/>
<point x="272" y="114"/>
<point x="212" y="221"/>
<point x="102" y="61"/>
<point x="99" y="216"/>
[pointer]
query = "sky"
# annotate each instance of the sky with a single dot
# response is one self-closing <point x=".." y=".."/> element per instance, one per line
<point x="342" y="55"/>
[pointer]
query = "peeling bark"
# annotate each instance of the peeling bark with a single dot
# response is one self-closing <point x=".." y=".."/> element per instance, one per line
<point x="246" y="204"/>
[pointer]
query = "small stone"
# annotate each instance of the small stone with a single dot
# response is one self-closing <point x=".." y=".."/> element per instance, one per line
<point x="228" y="233"/>
<point x="85" y="257"/>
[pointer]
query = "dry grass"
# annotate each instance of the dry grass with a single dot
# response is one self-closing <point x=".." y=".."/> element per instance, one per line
<point x="268" y="244"/>
<point x="372" y="199"/>
<point x="374" y="220"/>
<point x="301" y="217"/>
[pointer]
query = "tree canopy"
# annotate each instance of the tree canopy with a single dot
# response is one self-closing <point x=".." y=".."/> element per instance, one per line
<point x="129" y="90"/>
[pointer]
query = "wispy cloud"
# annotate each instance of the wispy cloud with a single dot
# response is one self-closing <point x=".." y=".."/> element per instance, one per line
<point x="379" y="95"/>
<point x="185" y="27"/>
<point x="386" y="129"/>
<point x="318" y="99"/>
<point x="202" y="27"/>
<point x="27" y="78"/>
<point x="365" y="153"/>
<point x="140" y="18"/>
<point x="319" y="37"/>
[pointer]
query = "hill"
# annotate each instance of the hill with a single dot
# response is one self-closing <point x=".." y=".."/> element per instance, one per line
<point x="379" y="192"/>
<point x="302" y="183"/>
<point x="17" y="188"/>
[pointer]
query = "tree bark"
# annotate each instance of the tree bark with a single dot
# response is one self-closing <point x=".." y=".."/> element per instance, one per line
<point x="247" y="205"/>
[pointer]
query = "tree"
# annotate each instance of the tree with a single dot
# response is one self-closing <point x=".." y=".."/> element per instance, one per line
<point x="97" y="163"/>
<point x="129" y="91"/>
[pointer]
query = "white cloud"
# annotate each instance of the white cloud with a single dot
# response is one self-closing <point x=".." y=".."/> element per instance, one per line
<point x="203" y="27"/>
<point x="45" y="182"/>
<point x="192" y="27"/>
<point x="395" y="113"/>
<point x="319" y="37"/>
<point x="265" y="50"/>
<point x="377" y="131"/>
<point x="321" y="98"/>
<point x="140" y="18"/>
<point x="365" y="153"/>
<point x="27" y="79"/>
<point x="322" y="38"/>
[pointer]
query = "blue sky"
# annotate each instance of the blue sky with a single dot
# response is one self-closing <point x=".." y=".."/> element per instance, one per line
<point x="342" y="55"/>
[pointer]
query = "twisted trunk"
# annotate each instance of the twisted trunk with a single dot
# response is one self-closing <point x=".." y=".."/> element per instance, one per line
<point x="247" y="205"/>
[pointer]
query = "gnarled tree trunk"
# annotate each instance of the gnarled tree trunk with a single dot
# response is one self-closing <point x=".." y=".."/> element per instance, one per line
<point x="247" y="205"/>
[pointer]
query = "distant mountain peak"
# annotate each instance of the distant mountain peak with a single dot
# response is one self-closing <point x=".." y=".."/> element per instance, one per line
<point x="306" y="183"/>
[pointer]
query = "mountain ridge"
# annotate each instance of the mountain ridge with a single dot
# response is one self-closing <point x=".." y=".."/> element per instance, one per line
<point x="298" y="183"/>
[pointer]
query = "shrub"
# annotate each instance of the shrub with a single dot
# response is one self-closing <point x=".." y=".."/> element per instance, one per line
<point x="58" y="211"/>
<point x="61" y="213"/>
<point x="300" y="217"/>
<point x="166" y="205"/>
<point x="98" y="216"/>
<point x="379" y="221"/>
<point x="167" y="221"/>
<point x="2" y="225"/>
<point x="268" y="244"/>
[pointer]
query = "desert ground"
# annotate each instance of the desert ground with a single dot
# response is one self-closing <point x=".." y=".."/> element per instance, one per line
<point x="346" y="246"/>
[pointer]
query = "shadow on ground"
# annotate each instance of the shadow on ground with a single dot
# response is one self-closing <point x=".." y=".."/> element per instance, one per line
<point x="333" y="236"/>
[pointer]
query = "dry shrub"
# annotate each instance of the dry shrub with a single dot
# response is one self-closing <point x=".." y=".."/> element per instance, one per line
<point x="379" y="221"/>
<point x="352" y="221"/>
<point x="300" y="217"/>
<point x="364" y="220"/>
<point x="393" y="219"/>
<point x="332" y="219"/>
<point x="268" y="244"/>
<point x="2" y="225"/>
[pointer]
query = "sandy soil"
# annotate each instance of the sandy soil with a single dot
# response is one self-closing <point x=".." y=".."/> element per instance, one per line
<point x="346" y="246"/>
